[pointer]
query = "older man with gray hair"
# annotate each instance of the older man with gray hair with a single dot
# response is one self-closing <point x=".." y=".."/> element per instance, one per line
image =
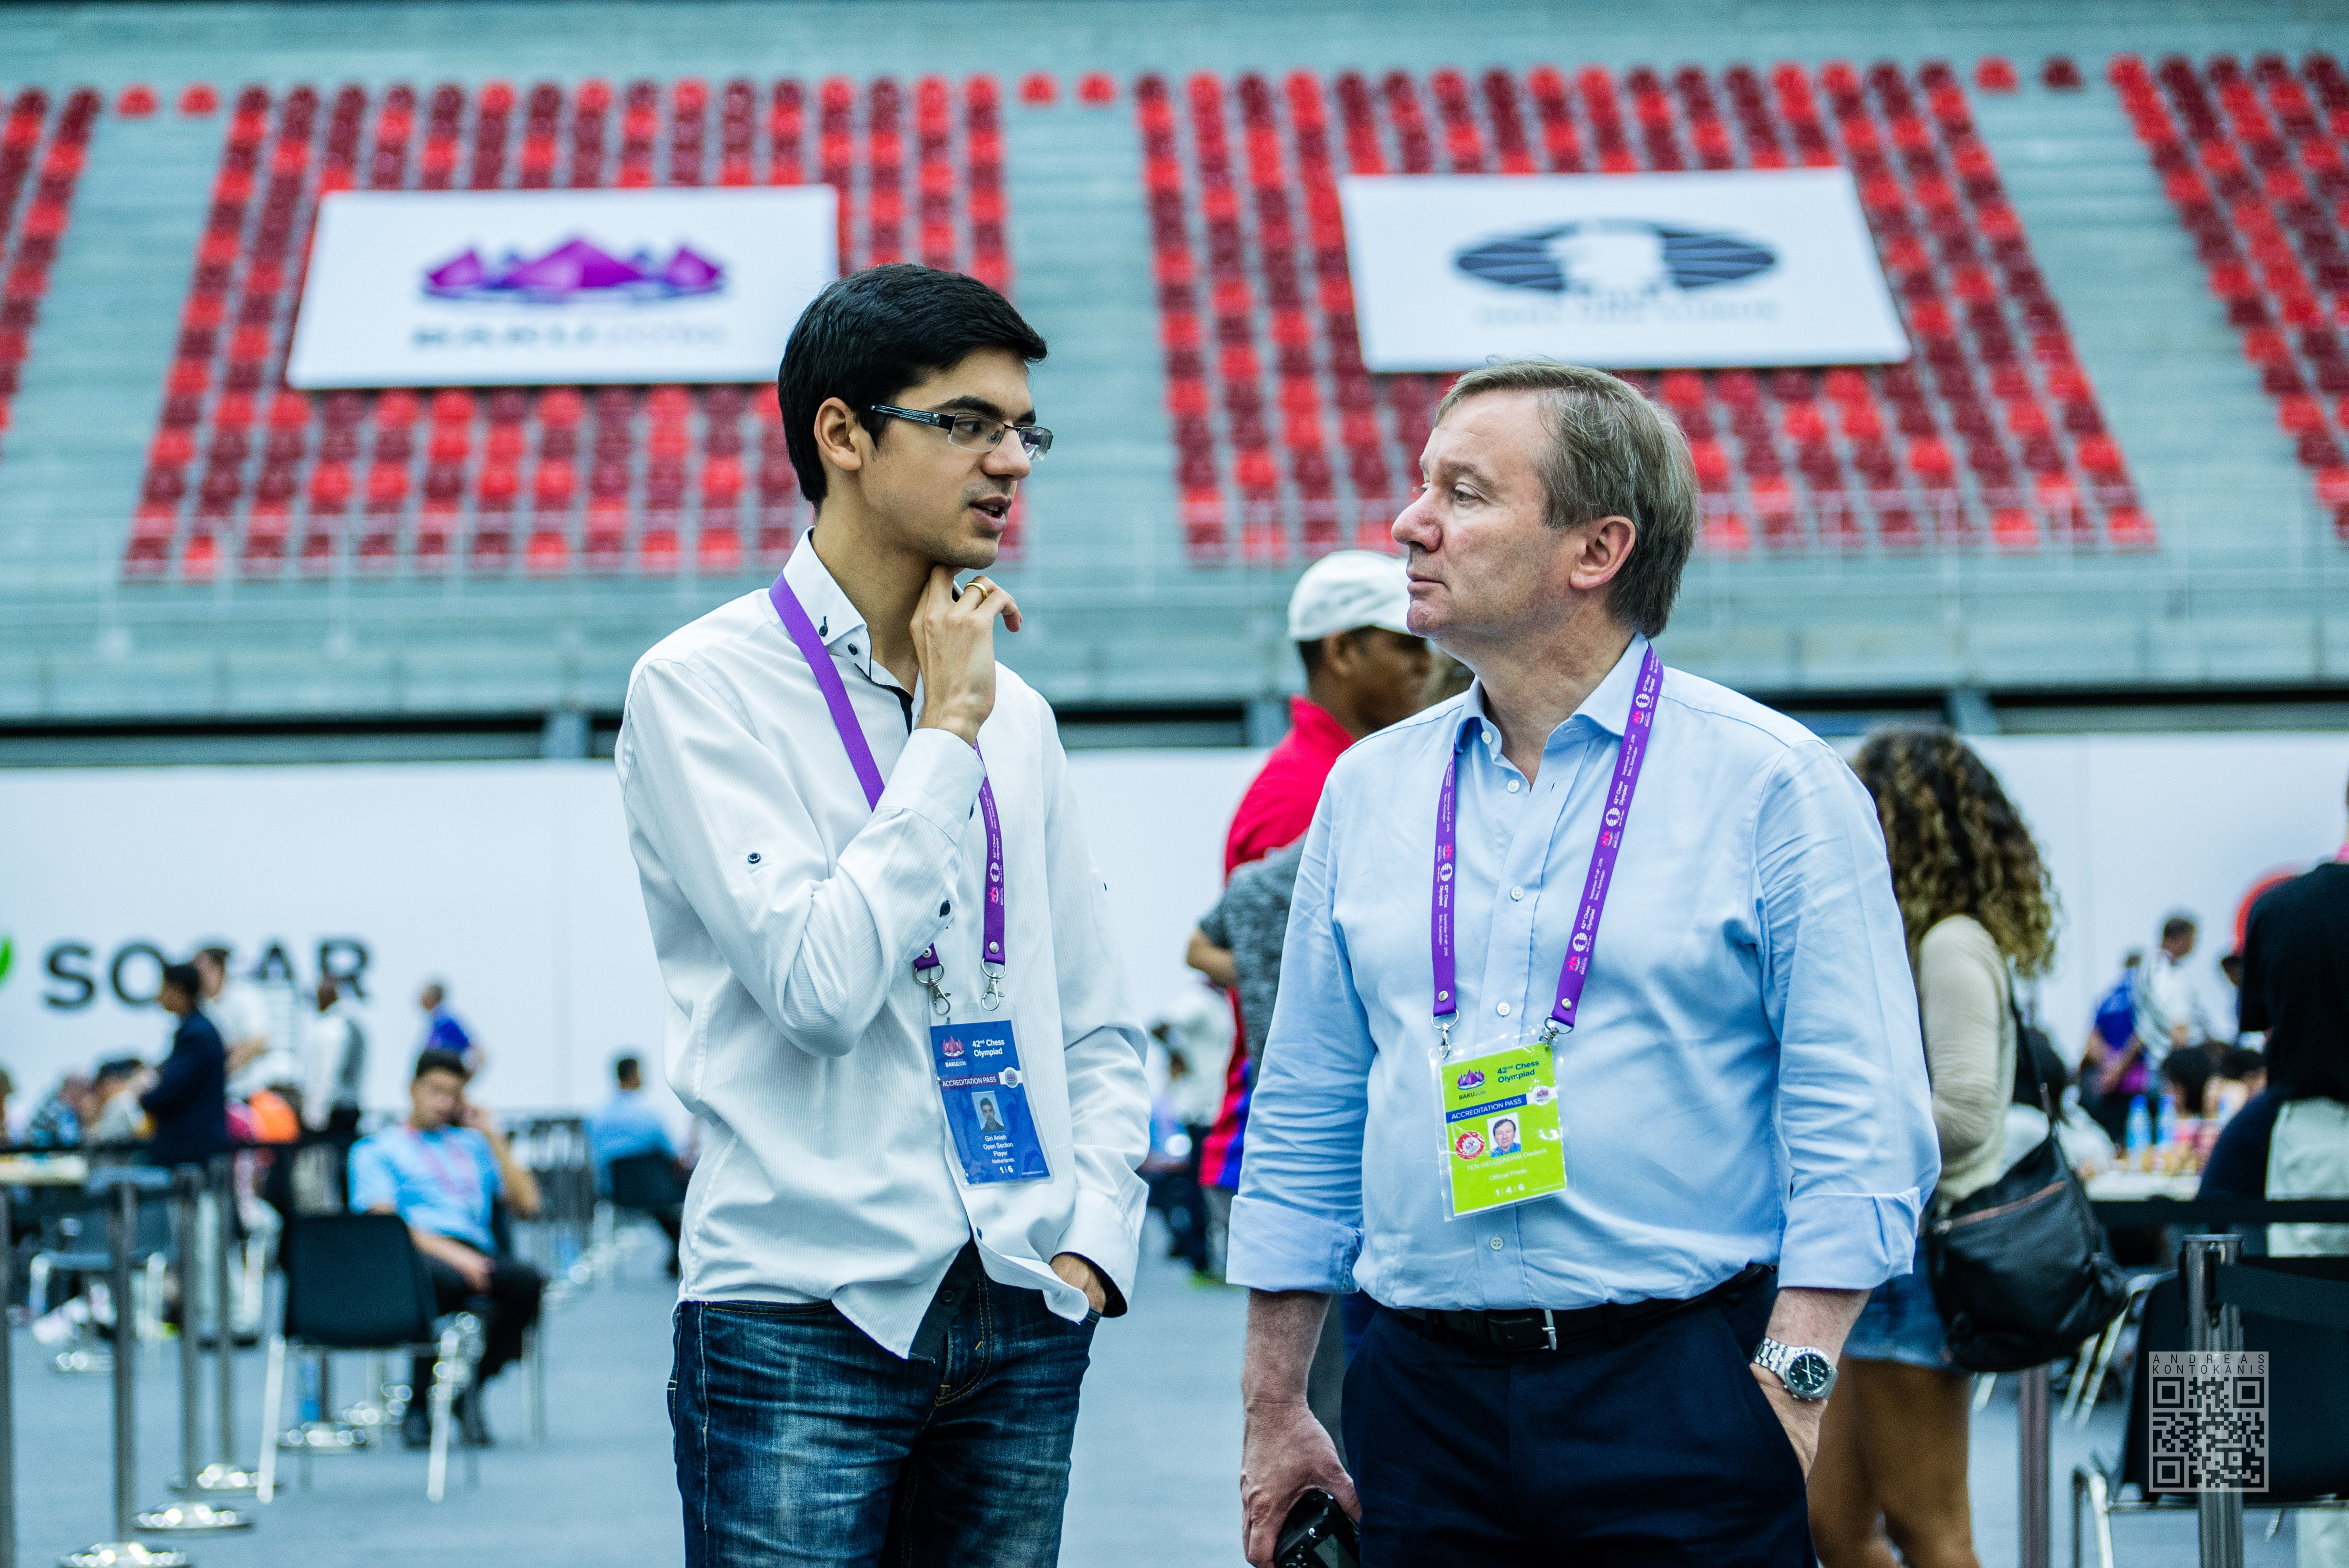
<point x="1619" y="1188"/>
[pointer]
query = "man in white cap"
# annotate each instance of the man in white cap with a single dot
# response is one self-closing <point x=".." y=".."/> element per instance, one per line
<point x="1363" y="671"/>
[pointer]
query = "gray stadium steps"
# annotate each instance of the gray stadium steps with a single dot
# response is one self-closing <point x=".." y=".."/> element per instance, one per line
<point x="1122" y="619"/>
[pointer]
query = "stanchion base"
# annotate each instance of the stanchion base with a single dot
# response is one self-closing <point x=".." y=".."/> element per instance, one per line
<point x="125" y="1554"/>
<point x="84" y="1363"/>
<point x="182" y="1518"/>
<point x="321" y="1438"/>
<point x="218" y="1479"/>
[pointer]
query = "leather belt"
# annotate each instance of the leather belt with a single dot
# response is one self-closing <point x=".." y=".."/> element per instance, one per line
<point x="1540" y="1330"/>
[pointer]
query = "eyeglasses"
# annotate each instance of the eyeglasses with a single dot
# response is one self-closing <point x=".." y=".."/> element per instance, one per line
<point x="973" y="432"/>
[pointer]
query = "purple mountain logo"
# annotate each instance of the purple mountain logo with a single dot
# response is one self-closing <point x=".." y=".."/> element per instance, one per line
<point x="575" y="272"/>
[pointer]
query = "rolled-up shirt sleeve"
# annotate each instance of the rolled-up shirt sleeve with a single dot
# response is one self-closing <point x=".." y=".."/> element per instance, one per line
<point x="816" y="943"/>
<point x="1297" y="1224"/>
<point x="1855" y="1111"/>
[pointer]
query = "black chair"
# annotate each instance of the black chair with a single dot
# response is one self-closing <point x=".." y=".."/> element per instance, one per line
<point x="2308" y="1388"/>
<point x="355" y="1282"/>
<point x="73" y="1241"/>
<point x="645" y="1183"/>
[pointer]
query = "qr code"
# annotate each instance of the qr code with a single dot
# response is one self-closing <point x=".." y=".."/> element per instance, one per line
<point x="2209" y="1420"/>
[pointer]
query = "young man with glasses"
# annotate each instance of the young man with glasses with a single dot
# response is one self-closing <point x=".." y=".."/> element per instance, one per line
<point x="893" y="996"/>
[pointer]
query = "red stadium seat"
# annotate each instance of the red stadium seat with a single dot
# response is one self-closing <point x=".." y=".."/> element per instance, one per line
<point x="437" y="455"/>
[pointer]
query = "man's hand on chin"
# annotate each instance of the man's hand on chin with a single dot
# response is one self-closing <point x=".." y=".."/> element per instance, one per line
<point x="1083" y="1275"/>
<point x="1799" y="1417"/>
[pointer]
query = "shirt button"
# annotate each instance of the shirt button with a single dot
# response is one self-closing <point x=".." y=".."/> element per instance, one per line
<point x="1513" y="786"/>
<point x="1516" y="893"/>
<point x="945" y="910"/>
<point x="1496" y="1243"/>
<point x="1502" y="1009"/>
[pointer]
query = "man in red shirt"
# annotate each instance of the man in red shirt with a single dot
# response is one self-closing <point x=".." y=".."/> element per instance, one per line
<point x="1363" y="671"/>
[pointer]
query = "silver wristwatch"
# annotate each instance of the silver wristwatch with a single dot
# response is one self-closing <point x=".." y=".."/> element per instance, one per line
<point x="1804" y="1370"/>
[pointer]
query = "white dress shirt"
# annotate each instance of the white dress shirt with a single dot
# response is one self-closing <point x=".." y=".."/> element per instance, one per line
<point x="787" y="914"/>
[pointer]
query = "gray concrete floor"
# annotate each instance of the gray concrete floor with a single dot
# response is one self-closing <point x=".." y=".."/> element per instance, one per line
<point x="1158" y="1451"/>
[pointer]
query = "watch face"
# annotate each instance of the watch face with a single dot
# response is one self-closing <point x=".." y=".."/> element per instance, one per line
<point x="1809" y="1376"/>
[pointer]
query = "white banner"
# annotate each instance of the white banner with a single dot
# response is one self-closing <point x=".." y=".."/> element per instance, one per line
<point x="1647" y="271"/>
<point x="512" y="882"/>
<point x="457" y="288"/>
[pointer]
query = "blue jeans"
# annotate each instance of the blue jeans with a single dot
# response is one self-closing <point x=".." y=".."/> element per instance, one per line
<point x="800" y="1442"/>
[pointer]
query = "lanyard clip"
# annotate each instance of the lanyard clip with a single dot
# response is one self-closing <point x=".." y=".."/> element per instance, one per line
<point x="1444" y="1040"/>
<point x="993" y="996"/>
<point x="941" y="999"/>
<point x="1551" y="1030"/>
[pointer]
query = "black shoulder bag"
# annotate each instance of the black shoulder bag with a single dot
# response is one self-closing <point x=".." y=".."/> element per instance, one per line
<point x="2021" y="1270"/>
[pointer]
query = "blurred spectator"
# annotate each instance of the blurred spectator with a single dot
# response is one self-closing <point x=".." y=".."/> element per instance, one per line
<point x="2169" y="1011"/>
<point x="2111" y="1063"/>
<point x="627" y="1126"/>
<point x="1974" y="895"/>
<point x="2296" y="990"/>
<point x="2187" y="1076"/>
<point x="57" y="1121"/>
<point x="627" y="1123"/>
<point x="1364" y="670"/>
<point x="443" y="1170"/>
<point x="337" y="1063"/>
<point x="189" y="1099"/>
<point x="1447" y="677"/>
<point x="241" y="1014"/>
<point x="442" y="1032"/>
<point x="2242" y="1074"/>
<point x="114" y="1097"/>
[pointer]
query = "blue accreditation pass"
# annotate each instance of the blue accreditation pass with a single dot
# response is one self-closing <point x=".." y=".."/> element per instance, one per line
<point x="987" y="1102"/>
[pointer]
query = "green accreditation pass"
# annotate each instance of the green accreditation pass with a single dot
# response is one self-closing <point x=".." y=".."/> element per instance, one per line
<point x="1502" y="1141"/>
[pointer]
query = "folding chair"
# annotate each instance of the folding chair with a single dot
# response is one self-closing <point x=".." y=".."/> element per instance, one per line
<point x="73" y="1241"/>
<point x="2308" y="1388"/>
<point x="355" y="1282"/>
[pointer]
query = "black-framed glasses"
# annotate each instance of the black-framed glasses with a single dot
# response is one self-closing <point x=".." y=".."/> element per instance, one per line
<point x="974" y="432"/>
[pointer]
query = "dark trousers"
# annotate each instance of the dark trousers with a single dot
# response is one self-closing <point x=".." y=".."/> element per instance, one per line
<point x="800" y="1442"/>
<point x="506" y="1312"/>
<point x="1659" y="1449"/>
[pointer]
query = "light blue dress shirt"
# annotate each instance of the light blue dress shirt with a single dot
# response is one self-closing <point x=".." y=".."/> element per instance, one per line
<point x="1746" y="1083"/>
<point x="626" y="1125"/>
<point x="444" y="1181"/>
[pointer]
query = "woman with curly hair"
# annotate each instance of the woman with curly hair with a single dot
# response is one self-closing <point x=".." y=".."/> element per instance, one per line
<point x="1975" y="899"/>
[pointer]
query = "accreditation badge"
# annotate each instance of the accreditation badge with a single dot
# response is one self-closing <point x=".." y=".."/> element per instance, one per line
<point x="1502" y="1144"/>
<point x="986" y="1097"/>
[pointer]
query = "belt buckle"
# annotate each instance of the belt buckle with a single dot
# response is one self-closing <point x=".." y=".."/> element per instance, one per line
<point x="1549" y="1328"/>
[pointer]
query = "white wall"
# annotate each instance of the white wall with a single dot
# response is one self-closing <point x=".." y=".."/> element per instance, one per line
<point x="509" y="880"/>
<point x="512" y="882"/>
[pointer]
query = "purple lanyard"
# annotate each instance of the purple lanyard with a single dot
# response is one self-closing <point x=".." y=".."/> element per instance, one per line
<point x="868" y="773"/>
<point x="1576" y="969"/>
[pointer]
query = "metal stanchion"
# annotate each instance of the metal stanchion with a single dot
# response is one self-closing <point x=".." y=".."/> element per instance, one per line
<point x="2210" y="1326"/>
<point x="7" y="1390"/>
<point x="188" y="1518"/>
<point x="225" y="1475"/>
<point x="124" y="1548"/>
<point x="2031" y="1416"/>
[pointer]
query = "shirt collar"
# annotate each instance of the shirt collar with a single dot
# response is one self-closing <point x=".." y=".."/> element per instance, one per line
<point x="1314" y="728"/>
<point x="1608" y="706"/>
<point x="837" y="620"/>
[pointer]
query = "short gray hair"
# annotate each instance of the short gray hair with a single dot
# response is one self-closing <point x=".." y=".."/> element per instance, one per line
<point x="1612" y="453"/>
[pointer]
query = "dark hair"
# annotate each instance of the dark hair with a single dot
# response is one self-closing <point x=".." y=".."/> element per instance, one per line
<point x="2188" y="1073"/>
<point x="872" y="334"/>
<point x="1313" y="649"/>
<point x="185" y="978"/>
<point x="436" y="1060"/>
<point x="1612" y="453"/>
<point x="2240" y="1062"/>
<point x="627" y="1067"/>
<point x="2176" y="927"/>
<point x="1956" y="844"/>
<point x="216" y="952"/>
<point x="120" y="1068"/>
